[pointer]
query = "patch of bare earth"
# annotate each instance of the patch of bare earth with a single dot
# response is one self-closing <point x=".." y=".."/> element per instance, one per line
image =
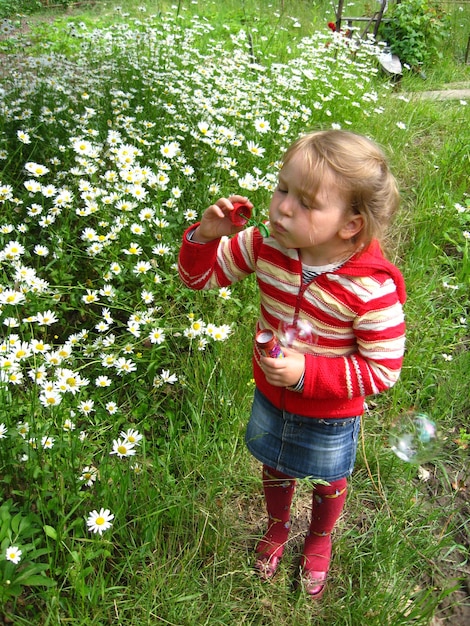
<point x="453" y="568"/>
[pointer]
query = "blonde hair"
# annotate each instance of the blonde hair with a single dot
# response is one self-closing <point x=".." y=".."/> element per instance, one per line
<point x="360" y="169"/>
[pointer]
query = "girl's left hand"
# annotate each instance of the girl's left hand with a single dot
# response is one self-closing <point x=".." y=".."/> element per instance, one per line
<point x="284" y="372"/>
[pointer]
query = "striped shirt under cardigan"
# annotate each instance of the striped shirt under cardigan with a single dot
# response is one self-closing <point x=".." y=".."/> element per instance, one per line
<point x="357" y="345"/>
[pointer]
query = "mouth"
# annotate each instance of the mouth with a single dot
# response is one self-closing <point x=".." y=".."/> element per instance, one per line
<point x="276" y="227"/>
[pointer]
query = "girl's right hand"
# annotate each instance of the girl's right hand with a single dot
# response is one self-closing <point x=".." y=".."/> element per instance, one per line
<point x="216" y="222"/>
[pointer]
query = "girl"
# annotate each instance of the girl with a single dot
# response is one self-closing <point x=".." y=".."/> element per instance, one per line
<point x="322" y="268"/>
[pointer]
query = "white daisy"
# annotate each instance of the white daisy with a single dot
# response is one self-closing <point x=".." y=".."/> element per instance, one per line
<point x="89" y="475"/>
<point x="132" y="436"/>
<point x="13" y="554"/>
<point x="122" y="448"/>
<point x="98" y="522"/>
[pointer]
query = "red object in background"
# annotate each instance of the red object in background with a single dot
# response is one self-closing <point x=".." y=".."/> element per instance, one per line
<point x="332" y="26"/>
<point x="240" y="214"/>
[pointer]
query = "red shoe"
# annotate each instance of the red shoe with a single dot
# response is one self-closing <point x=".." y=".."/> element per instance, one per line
<point x="313" y="582"/>
<point x="267" y="566"/>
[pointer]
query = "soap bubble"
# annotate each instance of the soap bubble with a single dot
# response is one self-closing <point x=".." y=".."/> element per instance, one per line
<point x="413" y="438"/>
<point x="292" y="333"/>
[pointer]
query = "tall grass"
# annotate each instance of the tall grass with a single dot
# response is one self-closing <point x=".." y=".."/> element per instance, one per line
<point x="121" y="390"/>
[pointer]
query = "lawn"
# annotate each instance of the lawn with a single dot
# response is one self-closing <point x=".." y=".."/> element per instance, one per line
<point x="127" y="495"/>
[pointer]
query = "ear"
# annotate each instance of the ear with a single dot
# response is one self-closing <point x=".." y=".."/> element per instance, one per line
<point x="352" y="227"/>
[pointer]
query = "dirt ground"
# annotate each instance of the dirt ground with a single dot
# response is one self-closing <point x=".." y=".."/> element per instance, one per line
<point x="452" y="570"/>
<point x="454" y="567"/>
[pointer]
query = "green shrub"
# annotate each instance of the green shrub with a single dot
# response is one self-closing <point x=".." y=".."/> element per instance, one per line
<point x="9" y="8"/>
<point x="416" y="30"/>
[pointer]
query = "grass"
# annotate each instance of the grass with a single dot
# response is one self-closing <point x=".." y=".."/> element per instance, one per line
<point x="142" y="118"/>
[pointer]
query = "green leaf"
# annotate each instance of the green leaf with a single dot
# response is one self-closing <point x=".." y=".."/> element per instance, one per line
<point x="75" y="556"/>
<point x="5" y="532"/>
<point x="31" y="570"/>
<point x="188" y="598"/>
<point x="14" y="590"/>
<point x="50" y="532"/>
<point x="16" y="523"/>
<point x="35" y="554"/>
<point x="4" y="511"/>
<point x="38" y="581"/>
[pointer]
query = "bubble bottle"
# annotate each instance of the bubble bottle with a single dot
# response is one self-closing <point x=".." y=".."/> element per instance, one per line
<point x="268" y="344"/>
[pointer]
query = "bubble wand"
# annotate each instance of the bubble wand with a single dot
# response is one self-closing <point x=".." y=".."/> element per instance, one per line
<point x="241" y="216"/>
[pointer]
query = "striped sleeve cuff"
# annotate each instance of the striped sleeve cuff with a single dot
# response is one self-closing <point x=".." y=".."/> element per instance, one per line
<point x="299" y="387"/>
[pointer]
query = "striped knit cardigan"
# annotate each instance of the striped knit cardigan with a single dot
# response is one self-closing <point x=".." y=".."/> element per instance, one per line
<point x="357" y="345"/>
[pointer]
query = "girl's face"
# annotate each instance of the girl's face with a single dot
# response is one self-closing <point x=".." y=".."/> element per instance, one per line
<point x="321" y="227"/>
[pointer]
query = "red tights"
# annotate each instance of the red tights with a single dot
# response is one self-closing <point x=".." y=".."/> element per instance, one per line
<point x="327" y="504"/>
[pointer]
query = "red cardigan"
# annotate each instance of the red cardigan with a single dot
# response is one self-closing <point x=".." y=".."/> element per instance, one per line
<point x="356" y="312"/>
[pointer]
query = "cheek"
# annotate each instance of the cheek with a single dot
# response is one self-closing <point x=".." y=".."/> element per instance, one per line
<point x="307" y="221"/>
<point x="272" y="205"/>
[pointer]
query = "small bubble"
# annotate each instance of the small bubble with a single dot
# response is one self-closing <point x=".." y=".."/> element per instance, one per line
<point x="413" y="438"/>
<point x="299" y="331"/>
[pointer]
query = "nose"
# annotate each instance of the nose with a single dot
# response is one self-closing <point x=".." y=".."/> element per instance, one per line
<point x="285" y="206"/>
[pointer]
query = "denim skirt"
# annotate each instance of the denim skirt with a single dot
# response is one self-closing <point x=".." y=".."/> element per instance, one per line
<point x="299" y="446"/>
